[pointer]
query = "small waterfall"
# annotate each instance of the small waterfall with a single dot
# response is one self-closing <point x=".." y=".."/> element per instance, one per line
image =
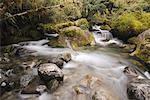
<point x="104" y="37"/>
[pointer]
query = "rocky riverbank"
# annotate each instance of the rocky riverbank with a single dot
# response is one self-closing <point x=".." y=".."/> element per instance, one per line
<point x="25" y="72"/>
<point x="138" y="48"/>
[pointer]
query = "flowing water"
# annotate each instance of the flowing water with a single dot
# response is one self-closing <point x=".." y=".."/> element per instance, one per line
<point x="104" y="37"/>
<point x="104" y="63"/>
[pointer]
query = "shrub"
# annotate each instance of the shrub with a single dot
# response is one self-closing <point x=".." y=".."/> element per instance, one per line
<point x="73" y="12"/>
<point x="131" y="24"/>
<point x="82" y="23"/>
<point x="128" y="22"/>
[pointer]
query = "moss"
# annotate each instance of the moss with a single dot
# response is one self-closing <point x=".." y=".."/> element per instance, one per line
<point x="82" y="23"/>
<point x="97" y="17"/>
<point x="77" y="36"/>
<point x="72" y="31"/>
<point x="55" y="42"/>
<point x="142" y="50"/>
<point x="145" y="19"/>
<point x="72" y="11"/>
<point x="105" y="27"/>
<point x="128" y="22"/>
<point x="133" y="40"/>
<point x="64" y="25"/>
<point x="131" y="24"/>
<point x="54" y="27"/>
<point x="57" y="15"/>
<point x="144" y="54"/>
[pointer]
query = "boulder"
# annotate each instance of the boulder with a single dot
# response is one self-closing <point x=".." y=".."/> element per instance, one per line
<point x="50" y="74"/>
<point x="72" y="37"/>
<point x="4" y="60"/>
<point x="130" y="72"/>
<point x="26" y="79"/>
<point x="36" y="86"/>
<point x="8" y="85"/>
<point x="53" y="84"/>
<point x="76" y="36"/>
<point x="16" y="50"/>
<point x="142" y="49"/>
<point x="60" y="59"/>
<point x="59" y="62"/>
<point x="139" y="89"/>
<point x="65" y="57"/>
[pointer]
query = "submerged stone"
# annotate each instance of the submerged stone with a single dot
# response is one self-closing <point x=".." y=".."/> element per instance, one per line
<point x="91" y="88"/>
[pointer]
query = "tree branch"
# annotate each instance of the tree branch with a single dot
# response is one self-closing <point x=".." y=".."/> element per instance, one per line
<point x="30" y="11"/>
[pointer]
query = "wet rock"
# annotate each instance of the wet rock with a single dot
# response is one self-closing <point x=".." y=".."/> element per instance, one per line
<point x="59" y="62"/>
<point x="129" y="47"/>
<point x="8" y="82"/>
<point x="4" y="87"/>
<point x="36" y="86"/>
<point x="10" y="73"/>
<point x="51" y="74"/>
<point x="53" y="85"/>
<point x="139" y="89"/>
<point x="9" y="96"/>
<point x="142" y="47"/>
<point x="133" y="73"/>
<point x="26" y="79"/>
<point x="2" y="75"/>
<point x="2" y="83"/>
<point x="60" y="59"/>
<point x="4" y="60"/>
<point x="65" y="57"/>
<point x="21" y="51"/>
<point x="41" y="88"/>
<point x="29" y="64"/>
<point x="130" y="72"/>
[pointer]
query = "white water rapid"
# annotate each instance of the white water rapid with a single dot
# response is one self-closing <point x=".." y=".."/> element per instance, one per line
<point x="104" y="37"/>
<point x="103" y="63"/>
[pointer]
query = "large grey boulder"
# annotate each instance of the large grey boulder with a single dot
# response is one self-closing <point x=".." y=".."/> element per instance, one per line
<point x="51" y="75"/>
<point x="139" y="89"/>
<point x="50" y="71"/>
<point x="58" y="61"/>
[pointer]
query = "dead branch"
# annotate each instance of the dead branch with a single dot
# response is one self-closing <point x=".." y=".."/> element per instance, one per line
<point x="30" y="11"/>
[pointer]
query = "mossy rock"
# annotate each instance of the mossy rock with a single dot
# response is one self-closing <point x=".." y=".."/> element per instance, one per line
<point x="133" y="40"/>
<point x="75" y="36"/>
<point x="144" y="53"/>
<point x="142" y="42"/>
<point x="56" y="43"/>
<point x="105" y="27"/>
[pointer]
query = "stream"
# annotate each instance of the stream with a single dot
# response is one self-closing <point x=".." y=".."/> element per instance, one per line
<point x="101" y="64"/>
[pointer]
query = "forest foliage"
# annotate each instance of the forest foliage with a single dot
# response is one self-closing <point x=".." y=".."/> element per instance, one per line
<point x="124" y="16"/>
